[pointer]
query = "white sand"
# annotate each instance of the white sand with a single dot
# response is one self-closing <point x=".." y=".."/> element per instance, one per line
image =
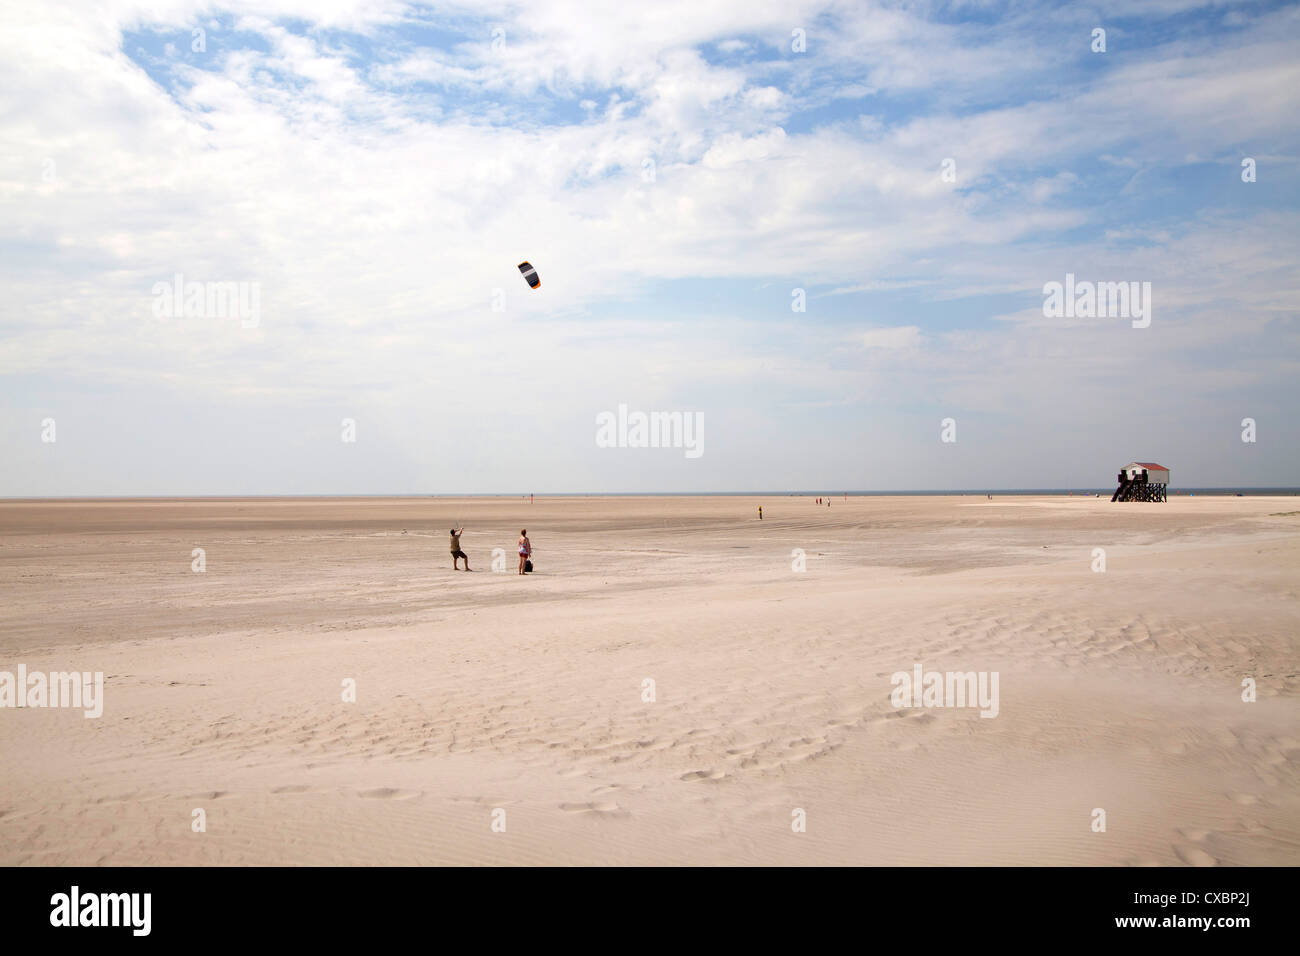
<point x="1118" y="690"/>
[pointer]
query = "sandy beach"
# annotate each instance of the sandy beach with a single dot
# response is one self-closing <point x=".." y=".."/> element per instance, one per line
<point x="1119" y="690"/>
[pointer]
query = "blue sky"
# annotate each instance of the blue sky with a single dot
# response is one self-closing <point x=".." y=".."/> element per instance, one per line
<point x="378" y="169"/>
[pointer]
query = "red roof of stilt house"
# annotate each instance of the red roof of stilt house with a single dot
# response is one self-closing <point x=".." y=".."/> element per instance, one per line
<point x="1150" y="464"/>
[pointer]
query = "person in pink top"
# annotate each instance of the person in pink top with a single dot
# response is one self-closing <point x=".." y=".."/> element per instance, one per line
<point x="525" y="549"/>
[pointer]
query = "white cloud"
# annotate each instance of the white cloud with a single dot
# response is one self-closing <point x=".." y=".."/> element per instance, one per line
<point x="900" y="337"/>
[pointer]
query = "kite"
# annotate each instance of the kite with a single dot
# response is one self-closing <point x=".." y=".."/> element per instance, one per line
<point x="530" y="274"/>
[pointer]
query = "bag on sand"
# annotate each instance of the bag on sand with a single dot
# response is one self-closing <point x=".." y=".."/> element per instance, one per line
<point x="528" y="565"/>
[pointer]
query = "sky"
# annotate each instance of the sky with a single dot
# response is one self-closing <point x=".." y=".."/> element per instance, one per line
<point x="821" y="230"/>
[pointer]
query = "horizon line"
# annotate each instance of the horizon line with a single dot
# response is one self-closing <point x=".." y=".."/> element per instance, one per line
<point x="1024" y="492"/>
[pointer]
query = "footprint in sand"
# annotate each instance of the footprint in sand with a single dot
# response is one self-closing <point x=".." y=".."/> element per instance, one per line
<point x="710" y="775"/>
<point x="1194" y="856"/>
<point x="388" y="793"/>
<point x="600" y="806"/>
<point x="291" y="788"/>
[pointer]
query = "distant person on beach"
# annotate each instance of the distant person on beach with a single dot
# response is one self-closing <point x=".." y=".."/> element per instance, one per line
<point x="760" y="512"/>
<point x="456" y="552"/>
<point x="525" y="549"/>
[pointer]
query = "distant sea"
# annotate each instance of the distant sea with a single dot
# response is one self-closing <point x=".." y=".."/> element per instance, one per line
<point x="1106" y="492"/>
<point x="1173" y="492"/>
